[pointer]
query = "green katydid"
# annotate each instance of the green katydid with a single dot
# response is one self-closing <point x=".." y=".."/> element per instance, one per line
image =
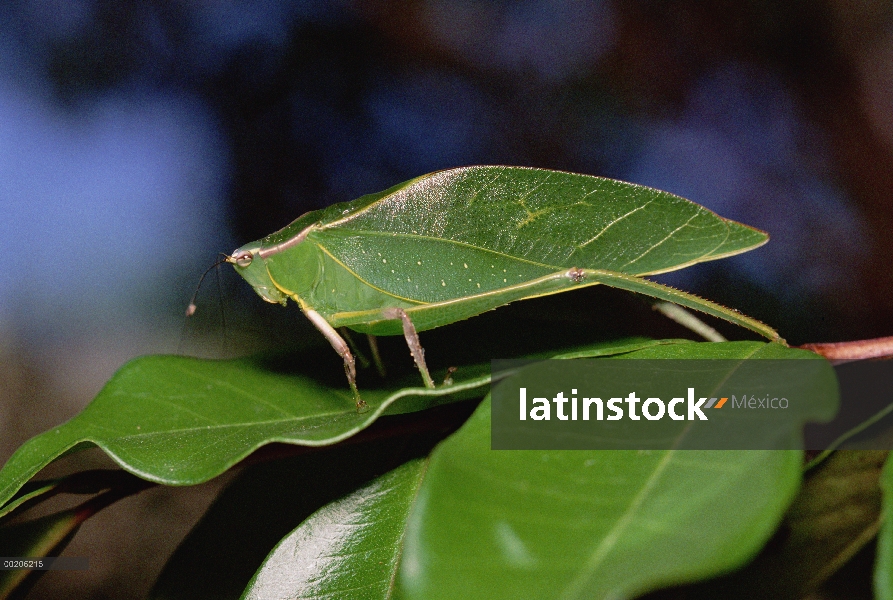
<point x="450" y="245"/>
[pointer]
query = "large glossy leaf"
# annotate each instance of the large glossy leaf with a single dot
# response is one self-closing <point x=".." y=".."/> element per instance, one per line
<point x="182" y="421"/>
<point x="600" y="525"/>
<point x="543" y="524"/>
<point x="349" y="549"/>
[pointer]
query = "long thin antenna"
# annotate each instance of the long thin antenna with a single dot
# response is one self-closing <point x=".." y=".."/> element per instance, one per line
<point x="191" y="308"/>
<point x="222" y="311"/>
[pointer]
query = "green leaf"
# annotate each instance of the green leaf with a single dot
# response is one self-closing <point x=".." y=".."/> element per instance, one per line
<point x="835" y="514"/>
<point x="48" y="535"/>
<point x="349" y="549"/>
<point x="883" y="572"/>
<point x="587" y="525"/>
<point x="182" y="421"/>
<point x="544" y="524"/>
<point x="36" y="492"/>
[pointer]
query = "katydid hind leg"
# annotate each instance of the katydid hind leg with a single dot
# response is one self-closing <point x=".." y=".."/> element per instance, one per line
<point x="343" y="350"/>
<point x="572" y="278"/>
<point x="662" y="292"/>
<point x="676" y="313"/>
<point x="412" y="340"/>
<point x="358" y="354"/>
<point x="376" y="355"/>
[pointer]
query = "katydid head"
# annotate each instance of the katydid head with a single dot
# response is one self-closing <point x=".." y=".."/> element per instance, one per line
<point x="248" y="263"/>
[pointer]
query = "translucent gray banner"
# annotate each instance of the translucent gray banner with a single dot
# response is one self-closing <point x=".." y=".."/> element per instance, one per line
<point x="661" y="404"/>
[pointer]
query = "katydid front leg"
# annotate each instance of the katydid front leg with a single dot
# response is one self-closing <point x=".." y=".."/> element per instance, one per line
<point x="343" y="350"/>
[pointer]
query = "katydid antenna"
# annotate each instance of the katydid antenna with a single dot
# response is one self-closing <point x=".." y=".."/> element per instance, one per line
<point x="191" y="308"/>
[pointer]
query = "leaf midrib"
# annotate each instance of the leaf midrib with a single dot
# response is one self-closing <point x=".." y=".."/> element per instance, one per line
<point x="398" y="559"/>
<point x="609" y="542"/>
<point x="455" y="388"/>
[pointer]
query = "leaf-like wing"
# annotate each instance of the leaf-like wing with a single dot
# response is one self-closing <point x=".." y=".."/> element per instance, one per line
<point x="466" y="231"/>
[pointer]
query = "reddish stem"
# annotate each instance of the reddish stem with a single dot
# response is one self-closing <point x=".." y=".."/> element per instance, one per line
<point x="841" y="352"/>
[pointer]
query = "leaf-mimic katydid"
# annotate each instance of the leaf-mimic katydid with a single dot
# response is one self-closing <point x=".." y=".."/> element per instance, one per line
<point x="453" y="244"/>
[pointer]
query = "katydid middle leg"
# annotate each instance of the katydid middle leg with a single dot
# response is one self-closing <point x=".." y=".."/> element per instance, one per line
<point x="343" y="350"/>
<point x="412" y="340"/>
<point x="376" y="355"/>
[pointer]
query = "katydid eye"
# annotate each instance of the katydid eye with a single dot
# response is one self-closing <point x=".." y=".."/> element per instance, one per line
<point x="243" y="259"/>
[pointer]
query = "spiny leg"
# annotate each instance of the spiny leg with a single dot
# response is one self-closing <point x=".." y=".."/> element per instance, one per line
<point x="641" y="285"/>
<point x="341" y="347"/>
<point x="412" y="340"/>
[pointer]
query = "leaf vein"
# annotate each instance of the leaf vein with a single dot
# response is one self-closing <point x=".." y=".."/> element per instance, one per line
<point x="611" y="224"/>
<point x="668" y="236"/>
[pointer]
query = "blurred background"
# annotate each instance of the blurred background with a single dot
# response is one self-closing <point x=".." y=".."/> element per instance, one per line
<point x="140" y="138"/>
